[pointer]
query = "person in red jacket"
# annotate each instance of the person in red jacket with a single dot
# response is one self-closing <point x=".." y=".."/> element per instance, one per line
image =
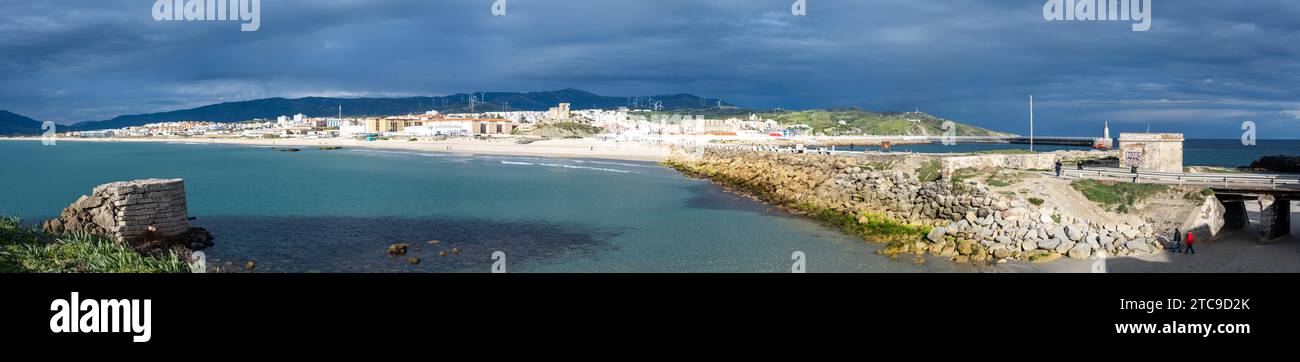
<point x="1189" y="243"/>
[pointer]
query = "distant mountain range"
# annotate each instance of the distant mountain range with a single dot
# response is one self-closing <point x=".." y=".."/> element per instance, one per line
<point x="16" y="124"/>
<point x="270" y="108"/>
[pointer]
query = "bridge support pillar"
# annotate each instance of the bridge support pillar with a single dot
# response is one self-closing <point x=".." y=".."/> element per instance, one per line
<point x="1274" y="218"/>
<point x="1234" y="215"/>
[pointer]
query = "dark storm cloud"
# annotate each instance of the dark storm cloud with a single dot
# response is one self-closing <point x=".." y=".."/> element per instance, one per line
<point x="975" y="61"/>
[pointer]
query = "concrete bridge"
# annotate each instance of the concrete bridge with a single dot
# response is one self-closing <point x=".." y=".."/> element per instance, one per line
<point x="1274" y="193"/>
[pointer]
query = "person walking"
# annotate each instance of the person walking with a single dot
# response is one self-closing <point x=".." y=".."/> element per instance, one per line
<point x="1058" y="168"/>
<point x="1189" y="244"/>
<point x="1178" y="241"/>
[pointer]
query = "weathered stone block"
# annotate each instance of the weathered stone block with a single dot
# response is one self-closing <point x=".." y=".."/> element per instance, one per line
<point x="152" y="209"/>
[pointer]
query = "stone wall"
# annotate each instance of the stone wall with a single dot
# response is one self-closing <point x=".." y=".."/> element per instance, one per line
<point x="136" y="212"/>
<point x="969" y="223"/>
<point x="1037" y="161"/>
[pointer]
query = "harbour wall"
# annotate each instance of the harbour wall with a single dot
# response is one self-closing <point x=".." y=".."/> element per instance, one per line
<point x="1035" y="161"/>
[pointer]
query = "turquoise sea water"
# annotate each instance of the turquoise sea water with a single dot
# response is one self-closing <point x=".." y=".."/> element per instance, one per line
<point x="337" y="211"/>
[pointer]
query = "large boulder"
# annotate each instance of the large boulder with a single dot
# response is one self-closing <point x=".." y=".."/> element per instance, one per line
<point x="1049" y="244"/>
<point x="1138" y="245"/>
<point x="1002" y="252"/>
<point x="1128" y="231"/>
<point x="966" y="247"/>
<point x="1074" y="233"/>
<point x="1064" y="246"/>
<point x="1081" y="251"/>
<point x="936" y="235"/>
<point x="1005" y="240"/>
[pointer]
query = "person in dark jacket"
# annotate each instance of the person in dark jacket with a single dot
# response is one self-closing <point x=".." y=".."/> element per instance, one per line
<point x="1058" y="168"/>
<point x="1178" y="241"/>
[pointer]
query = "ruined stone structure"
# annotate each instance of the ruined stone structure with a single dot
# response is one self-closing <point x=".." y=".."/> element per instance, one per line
<point x="139" y="212"/>
<point x="1158" y="152"/>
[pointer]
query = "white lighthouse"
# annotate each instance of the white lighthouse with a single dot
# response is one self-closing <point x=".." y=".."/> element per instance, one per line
<point x="1106" y="142"/>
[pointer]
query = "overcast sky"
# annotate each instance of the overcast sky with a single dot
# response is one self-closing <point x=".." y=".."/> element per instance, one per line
<point x="1202" y="69"/>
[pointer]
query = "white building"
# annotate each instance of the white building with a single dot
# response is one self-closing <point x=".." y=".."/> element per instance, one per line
<point x="351" y="128"/>
<point x="437" y="129"/>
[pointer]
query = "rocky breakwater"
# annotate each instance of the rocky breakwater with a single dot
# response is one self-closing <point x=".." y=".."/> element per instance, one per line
<point x="1279" y="163"/>
<point x="960" y="220"/>
<point x="149" y="215"/>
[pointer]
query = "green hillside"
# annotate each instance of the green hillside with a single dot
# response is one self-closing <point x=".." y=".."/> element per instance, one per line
<point x="843" y="122"/>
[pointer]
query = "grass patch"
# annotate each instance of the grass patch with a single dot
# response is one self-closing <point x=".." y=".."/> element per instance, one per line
<point x="1114" y="196"/>
<point x="998" y="182"/>
<point x="870" y="226"/>
<point x="1199" y="196"/>
<point x="995" y="177"/>
<point x="879" y="166"/>
<point x="929" y="171"/>
<point x="1036" y="201"/>
<point x="26" y="249"/>
<point x="964" y="174"/>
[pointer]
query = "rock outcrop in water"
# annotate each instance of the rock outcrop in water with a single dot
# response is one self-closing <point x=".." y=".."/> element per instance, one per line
<point x="967" y="222"/>
<point x="150" y="215"/>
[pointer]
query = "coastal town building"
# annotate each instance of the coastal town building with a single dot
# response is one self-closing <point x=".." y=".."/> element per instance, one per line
<point x="559" y="113"/>
<point x="435" y="125"/>
<point x="461" y="127"/>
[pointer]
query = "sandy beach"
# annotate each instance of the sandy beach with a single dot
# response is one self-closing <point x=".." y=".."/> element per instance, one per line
<point x="567" y="148"/>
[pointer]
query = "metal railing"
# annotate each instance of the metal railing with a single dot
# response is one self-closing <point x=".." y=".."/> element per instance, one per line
<point x="1213" y="180"/>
